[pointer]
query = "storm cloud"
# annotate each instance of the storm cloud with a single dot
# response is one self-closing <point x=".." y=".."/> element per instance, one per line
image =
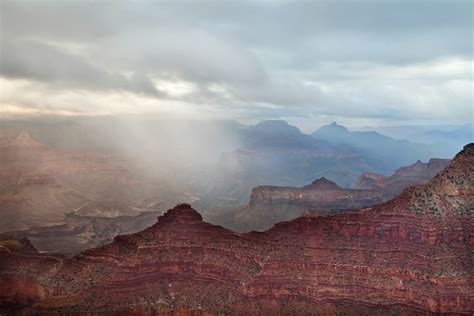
<point x="381" y="60"/>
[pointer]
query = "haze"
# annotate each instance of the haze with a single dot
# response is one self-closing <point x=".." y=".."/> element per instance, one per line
<point x="264" y="157"/>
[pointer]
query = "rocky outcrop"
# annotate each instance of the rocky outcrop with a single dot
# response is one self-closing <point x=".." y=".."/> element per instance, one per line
<point x="323" y="184"/>
<point x="272" y="204"/>
<point x="410" y="255"/>
<point x="404" y="177"/>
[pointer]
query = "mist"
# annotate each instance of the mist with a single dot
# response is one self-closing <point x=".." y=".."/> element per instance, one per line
<point x="216" y="163"/>
<point x="277" y="157"/>
<point x="152" y="104"/>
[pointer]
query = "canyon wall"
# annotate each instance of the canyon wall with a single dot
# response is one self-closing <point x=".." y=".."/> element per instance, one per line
<point x="410" y="255"/>
<point x="272" y="204"/>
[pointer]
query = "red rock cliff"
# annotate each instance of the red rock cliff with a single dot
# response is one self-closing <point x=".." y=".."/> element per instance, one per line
<point x="272" y="204"/>
<point x="410" y="255"/>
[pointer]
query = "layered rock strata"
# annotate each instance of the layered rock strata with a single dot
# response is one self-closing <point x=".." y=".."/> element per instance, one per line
<point x="272" y="204"/>
<point x="410" y="255"/>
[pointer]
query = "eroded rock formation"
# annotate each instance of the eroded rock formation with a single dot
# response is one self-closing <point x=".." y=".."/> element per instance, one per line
<point x="272" y="204"/>
<point x="404" y="177"/>
<point x="412" y="254"/>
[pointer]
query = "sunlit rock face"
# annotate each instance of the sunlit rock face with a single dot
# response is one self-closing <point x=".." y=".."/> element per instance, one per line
<point x="410" y="255"/>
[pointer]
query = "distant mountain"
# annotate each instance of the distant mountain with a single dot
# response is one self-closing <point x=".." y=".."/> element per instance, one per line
<point x="444" y="140"/>
<point x="172" y="142"/>
<point x="463" y="133"/>
<point x="276" y="153"/>
<point x="447" y="142"/>
<point x="389" y="152"/>
<point x="274" y="128"/>
<point x="279" y="135"/>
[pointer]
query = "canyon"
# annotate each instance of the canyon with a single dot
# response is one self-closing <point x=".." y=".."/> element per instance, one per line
<point x="269" y="205"/>
<point x="272" y="204"/>
<point x="38" y="184"/>
<point x="409" y="255"/>
<point x="79" y="233"/>
<point x="68" y="201"/>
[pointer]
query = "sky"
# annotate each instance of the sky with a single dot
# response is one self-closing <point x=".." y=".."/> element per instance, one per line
<point x="309" y="62"/>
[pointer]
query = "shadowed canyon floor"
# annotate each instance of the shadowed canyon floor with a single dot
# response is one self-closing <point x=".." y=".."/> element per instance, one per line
<point x="412" y="254"/>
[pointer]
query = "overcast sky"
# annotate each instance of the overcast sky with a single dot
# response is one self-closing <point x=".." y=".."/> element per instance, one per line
<point x="358" y="62"/>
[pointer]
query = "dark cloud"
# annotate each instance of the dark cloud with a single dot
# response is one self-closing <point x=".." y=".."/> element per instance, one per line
<point x="325" y="57"/>
<point x="25" y="59"/>
<point x="189" y="54"/>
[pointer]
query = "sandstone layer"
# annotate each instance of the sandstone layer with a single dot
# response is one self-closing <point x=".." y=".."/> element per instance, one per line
<point x="410" y="255"/>
<point x="272" y="204"/>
